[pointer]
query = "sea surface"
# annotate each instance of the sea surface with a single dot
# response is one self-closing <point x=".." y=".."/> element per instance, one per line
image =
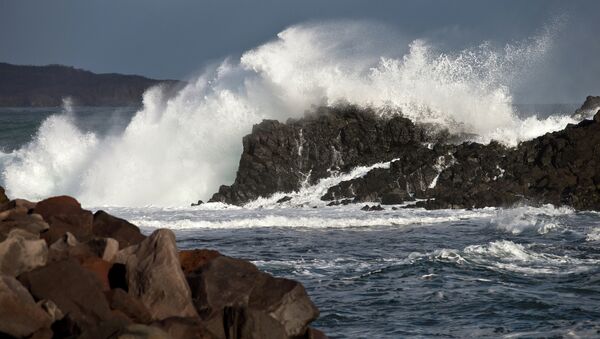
<point x="522" y="272"/>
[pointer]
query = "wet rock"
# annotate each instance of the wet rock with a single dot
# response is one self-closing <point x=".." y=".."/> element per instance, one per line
<point x="279" y="157"/>
<point x="64" y="214"/>
<point x="372" y="208"/>
<point x="108" y="226"/>
<point x="155" y="277"/>
<point x="21" y="252"/>
<point x="76" y="291"/>
<point x="284" y="199"/>
<point x="200" y="202"/>
<point x="589" y="107"/>
<point x="395" y="197"/>
<point x="20" y="316"/>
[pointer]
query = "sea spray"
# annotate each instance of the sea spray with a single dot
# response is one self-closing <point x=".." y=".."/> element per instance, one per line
<point x="180" y="148"/>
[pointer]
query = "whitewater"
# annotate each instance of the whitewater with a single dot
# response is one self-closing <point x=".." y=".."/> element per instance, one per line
<point x="525" y="271"/>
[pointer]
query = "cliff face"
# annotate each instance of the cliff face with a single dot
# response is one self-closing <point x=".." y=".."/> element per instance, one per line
<point x="562" y="168"/>
<point x="46" y="86"/>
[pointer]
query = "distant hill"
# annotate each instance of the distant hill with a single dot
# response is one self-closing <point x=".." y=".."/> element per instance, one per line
<point x="46" y="86"/>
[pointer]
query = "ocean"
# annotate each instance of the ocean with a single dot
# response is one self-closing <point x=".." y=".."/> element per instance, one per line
<point x="526" y="271"/>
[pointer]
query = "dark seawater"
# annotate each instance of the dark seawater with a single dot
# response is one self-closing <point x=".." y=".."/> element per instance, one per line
<point x="18" y="125"/>
<point x="523" y="272"/>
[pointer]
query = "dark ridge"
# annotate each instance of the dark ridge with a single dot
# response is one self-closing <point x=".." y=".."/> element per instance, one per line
<point x="47" y="86"/>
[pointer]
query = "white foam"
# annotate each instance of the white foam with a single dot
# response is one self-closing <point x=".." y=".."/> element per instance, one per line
<point x="510" y="256"/>
<point x="523" y="218"/>
<point x="310" y="195"/>
<point x="180" y="149"/>
<point x="593" y="234"/>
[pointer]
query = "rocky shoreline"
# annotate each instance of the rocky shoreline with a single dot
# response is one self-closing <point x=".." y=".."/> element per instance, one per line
<point x="432" y="169"/>
<point x="66" y="272"/>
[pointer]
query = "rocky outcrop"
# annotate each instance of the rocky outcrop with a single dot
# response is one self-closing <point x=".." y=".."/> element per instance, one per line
<point x="560" y="168"/>
<point x="279" y="157"/>
<point x="588" y="109"/>
<point x="94" y="286"/>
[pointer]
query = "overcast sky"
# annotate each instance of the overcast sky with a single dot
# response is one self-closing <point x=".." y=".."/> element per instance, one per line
<point x="175" y="38"/>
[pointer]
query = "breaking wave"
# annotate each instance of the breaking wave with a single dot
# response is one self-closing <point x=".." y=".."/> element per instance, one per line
<point x="182" y="147"/>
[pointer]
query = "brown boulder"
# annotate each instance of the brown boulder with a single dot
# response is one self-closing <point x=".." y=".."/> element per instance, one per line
<point x="64" y="214"/>
<point x="19" y="314"/>
<point x="76" y="291"/>
<point x="107" y="226"/>
<point x="3" y="198"/>
<point x="191" y="260"/>
<point x="68" y="246"/>
<point x="154" y="276"/>
<point x="239" y="301"/>
<point x="189" y="328"/>
<point x="21" y="252"/>
<point x="138" y="331"/>
<point x="120" y="300"/>
<point x="100" y="268"/>
<point x="16" y="218"/>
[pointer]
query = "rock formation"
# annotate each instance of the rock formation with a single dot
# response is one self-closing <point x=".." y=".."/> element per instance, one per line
<point x="588" y="109"/>
<point x="62" y="275"/>
<point x="560" y="168"/>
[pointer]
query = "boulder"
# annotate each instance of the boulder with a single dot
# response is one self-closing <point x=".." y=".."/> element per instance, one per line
<point x="16" y="218"/>
<point x="3" y="198"/>
<point x="68" y="246"/>
<point x="107" y="226"/>
<point x="17" y="203"/>
<point x="64" y="214"/>
<point x="75" y="290"/>
<point x="100" y="268"/>
<point x="21" y="252"/>
<point x="121" y="301"/>
<point x="189" y="328"/>
<point x="20" y="316"/>
<point x="138" y="331"/>
<point x="395" y="198"/>
<point x="237" y="300"/>
<point x="154" y="276"/>
<point x="191" y="260"/>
